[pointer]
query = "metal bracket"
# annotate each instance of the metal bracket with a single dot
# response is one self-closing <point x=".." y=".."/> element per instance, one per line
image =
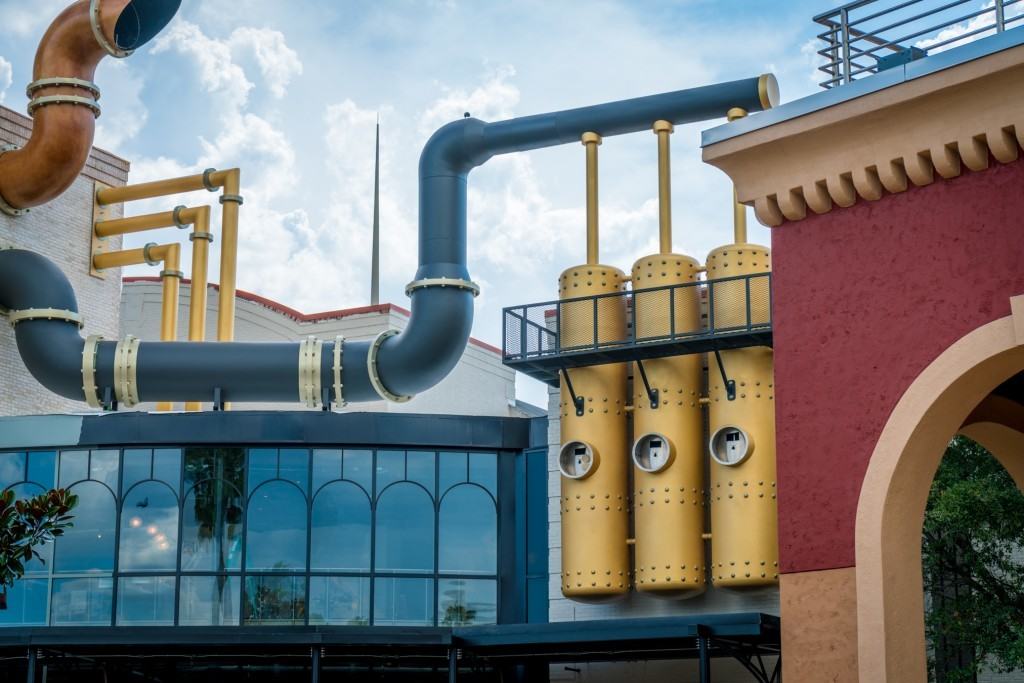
<point x="208" y="181"/>
<point x="730" y="384"/>
<point x="652" y="394"/>
<point x="310" y="350"/>
<point x="27" y="314"/>
<point x="89" y="353"/>
<point x="336" y="367"/>
<point x="577" y="401"/>
<point x="150" y="261"/>
<point x="176" y="217"/>
<point x="100" y="245"/>
<point x="47" y="100"/>
<point x="126" y="384"/>
<point x="236" y="198"/>
<point x="456" y="283"/>
<point x="218" y="399"/>
<point x="58" y="82"/>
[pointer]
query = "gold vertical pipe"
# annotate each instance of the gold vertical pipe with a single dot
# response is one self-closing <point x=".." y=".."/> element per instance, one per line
<point x="591" y="142"/>
<point x="228" y="256"/>
<point x="171" y="277"/>
<point x="739" y="211"/>
<point x="201" y="239"/>
<point x="663" y="129"/>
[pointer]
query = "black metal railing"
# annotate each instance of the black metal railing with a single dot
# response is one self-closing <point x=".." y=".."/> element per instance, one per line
<point x="868" y="36"/>
<point x="693" y="317"/>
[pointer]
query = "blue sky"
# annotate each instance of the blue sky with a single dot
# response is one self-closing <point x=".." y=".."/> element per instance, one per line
<point x="289" y="91"/>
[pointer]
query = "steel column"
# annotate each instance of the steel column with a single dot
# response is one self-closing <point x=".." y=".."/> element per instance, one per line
<point x="30" y="677"/>
<point x="453" y="665"/>
<point x="705" y="656"/>
<point x="315" y="666"/>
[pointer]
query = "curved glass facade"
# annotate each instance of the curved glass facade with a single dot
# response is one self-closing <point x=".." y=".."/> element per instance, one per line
<point x="245" y="536"/>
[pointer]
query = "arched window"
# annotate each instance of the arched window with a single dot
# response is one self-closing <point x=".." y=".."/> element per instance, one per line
<point x="341" y="528"/>
<point x="149" y="528"/>
<point x="35" y="565"/>
<point x="211" y="528"/>
<point x="276" y="530"/>
<point x="468" y="532"/>
<point x="405" y="529"/>
<point x="88" y="545"/>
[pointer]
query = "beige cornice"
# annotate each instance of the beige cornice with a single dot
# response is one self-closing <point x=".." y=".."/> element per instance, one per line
<point x="912" y="133"/>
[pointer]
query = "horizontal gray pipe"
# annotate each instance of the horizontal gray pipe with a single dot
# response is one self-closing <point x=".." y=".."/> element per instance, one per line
<point x="441" y="317"/>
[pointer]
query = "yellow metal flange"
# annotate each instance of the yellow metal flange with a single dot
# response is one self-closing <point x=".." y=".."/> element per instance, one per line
<point x="339" y="346"/>
<point x="24" y="315"/>
<point x="89" y="353"/>
<point x="371" y="366"/>
<point x="310" y="353"/>
<point x="126" y="386"/>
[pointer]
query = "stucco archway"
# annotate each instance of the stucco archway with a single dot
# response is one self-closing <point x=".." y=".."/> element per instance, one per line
<point x="890" y="511"/>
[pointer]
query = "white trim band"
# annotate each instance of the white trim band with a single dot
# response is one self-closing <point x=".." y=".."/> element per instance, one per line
<point x="27" y="314"/>
<point x="126" y="362"/>
<point x="62" y="82"/>
<point x="457" y="283"/>
<point x="89" y="361"/>
<point x="310" y="353"/>
<point x="371" y="367"/>
<point x="47" y="100"/>
<point x="339" y="396"/>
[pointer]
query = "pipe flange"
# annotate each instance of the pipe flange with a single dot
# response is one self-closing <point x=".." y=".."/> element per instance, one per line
<point x="208" y="180"/>
<point x="90" y="353"/>
<point x="457" y="283"/>
<point x="48" y="100"/>
<point x="60" y="81"/>
<point x="97" y="32"/>
<point x="310" y="353"/>
<point x="237" y="198"/>
<point x="126" y="381"/>
<point x="150" y="261"/>
<point x="10" y="210"/>
<point x="339" y="347"/>
<point x="176" y="217"/>
<point x="208" y="236"/>
<point x="27" y="314"/>
<point x="371" y="366"/>
<point x="172" y="273"/>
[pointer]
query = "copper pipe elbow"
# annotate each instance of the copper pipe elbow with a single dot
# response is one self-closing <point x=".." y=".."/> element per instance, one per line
<point x="64" y="114"/>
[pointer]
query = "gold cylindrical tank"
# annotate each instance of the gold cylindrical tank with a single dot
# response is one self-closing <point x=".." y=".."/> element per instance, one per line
<point x="668" y="454"/>
<point x="744" y="517"/>
<point x="594" y="452"/>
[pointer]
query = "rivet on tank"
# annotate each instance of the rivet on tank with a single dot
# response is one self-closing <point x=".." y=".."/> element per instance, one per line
<point x="668" y="461"/>
<point x="744" y="518"/>
<point x="592" y="407"/>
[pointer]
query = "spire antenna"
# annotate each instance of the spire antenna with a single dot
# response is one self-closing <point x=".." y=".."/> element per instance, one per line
<point x="375" y="258"/>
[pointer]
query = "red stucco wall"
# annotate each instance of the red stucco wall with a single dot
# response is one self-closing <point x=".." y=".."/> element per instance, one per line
<point x="865" y="298"/>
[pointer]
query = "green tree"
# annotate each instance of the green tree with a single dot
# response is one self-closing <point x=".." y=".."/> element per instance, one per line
<point x="25" y="525"/>
<point x="973" y="573"/>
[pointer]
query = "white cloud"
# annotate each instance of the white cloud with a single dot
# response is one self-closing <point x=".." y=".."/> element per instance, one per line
<point x="278" y="63"/>
<point x="125" y="114"/>
<point x="973" y="29"/>
<point x="6" y="75"/>
<point x="492" y="100"/>
<point x="25" y="18"/>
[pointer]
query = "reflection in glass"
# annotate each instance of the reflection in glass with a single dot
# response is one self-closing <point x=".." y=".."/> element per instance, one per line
<point x="167" y="466"/>
<point x="461" y="602"/>
<point x="74" y="466"/>
<point x="88" y="545"/>
<point x="468" y="532"/>
<point x="403" y="602"/>
<point x="452" y="470"/>
<point x="149" y="528"/>
<point x="38" y="564"/>
<point x="262" y="466"/>
<point x="81" y="602"/>
<point x="276" y="531"/>
<point x="26" y="603"/>
<point x="326" y="467"/>
<point x="483" y="470"/>
<point x="42" y="468"/>
<point x="226" y="464"/>
<point x="294" y="466"/>
<point x="12" y="469"/>
<point x="390" y="468"/>
<point x="359" y="468"/>
<point x="209" y="601"/>
<point x="103" y="467"/>
<point x="405" y="529"/>
<point x="341" y="529"/>
<point x="211" y="528"/>
<point x="420" y="468"/>
<point x="342" y="600"/>
<point x="145" y="601"/>
<point x="137" y="465"/>
<point x="275" y="600"/>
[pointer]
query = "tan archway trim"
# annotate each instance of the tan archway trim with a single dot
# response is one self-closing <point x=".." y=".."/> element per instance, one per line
<point x="890" y="512"/>
<point x="1004" y="443"/>
<point x="909" y="134"/>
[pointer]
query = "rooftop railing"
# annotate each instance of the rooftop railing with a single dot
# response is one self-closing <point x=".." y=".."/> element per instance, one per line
<point x="867" y="36"/>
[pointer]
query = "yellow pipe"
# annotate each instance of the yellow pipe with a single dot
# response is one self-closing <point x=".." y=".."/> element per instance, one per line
<point x="228" y="257"/>
<point x="151" y="254"/>
<point x="201" y="239"/>
<point x="663" y="129"/>
<point x="152" y="221"/>
<point x="161" y="188"/>
<point x="171" y="277"/>
<point x="739" y="211"/>
<point x="591" y="142"/>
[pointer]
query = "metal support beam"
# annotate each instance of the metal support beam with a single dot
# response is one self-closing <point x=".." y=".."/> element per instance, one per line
<point x="730" y="385"/>
<point x="453" y="665"/>
<point x="30" y="677"/>
<point x="653" y="395"/>
<point x="705" y="656"/>
<point x="314" y="675"/>
<point x="577" y="401"/>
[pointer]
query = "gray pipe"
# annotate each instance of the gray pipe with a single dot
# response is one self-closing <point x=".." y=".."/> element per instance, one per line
<point x="442" y="316"/>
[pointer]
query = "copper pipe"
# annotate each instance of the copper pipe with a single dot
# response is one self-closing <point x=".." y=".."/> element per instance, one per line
<point x="663" y="129"/>
<point x="201" y="239"/>
<point x="591" y="142"/>
<point x="228" y="256"/>
<point x="62" y="131"/>
<point x="739" y="211"/>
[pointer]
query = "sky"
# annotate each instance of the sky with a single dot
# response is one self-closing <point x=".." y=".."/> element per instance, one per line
<point x="290" y="92"/>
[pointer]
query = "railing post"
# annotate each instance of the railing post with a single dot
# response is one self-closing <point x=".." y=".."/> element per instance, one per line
<point x="558" y="327"/>
<point x="30" y="676"/>
<point x="524" y="346"/>
<point x="1000" y="16"/>
<point x="844" y="16"/>
<point x="711" y="306"/>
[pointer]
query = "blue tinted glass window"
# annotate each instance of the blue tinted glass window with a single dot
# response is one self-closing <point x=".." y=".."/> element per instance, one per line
<point x="225" y="464"/>
<point x="138" y="465"/>
<point x="39" y="564"/>
<point x="42" y="468"/>
<point x="211" y="527"/>
<point x="420" y="468"/>
<point x="483" y="470"/>
<point x="359" y="469"/>
<point x="390" y="468"/>
<point x="468" y="529"/>
<point x="74" y="466"/>
<point x="276" y="531"/>
<point x="326" y="467"/>
<point x="209" y="601"/>
<point x="461" y="602"/>
<point x="167" y="467"/>
<point x="452" y="470"/>
<point x="149" y="528"/>
<point x="103" y="467"/>
<point x="26" y="603"/>
<point x="275" y="600"/>
<point x="89" y="544"/>
<point x="405" y="529"/>
<point x="339" y="600"/>
<point x="341" y="529"/>
<point x="294" y="466"/>
<point x="81" y="602"/>
<point x="262" y="466"/>
<point x="145" y="601"/>
<point x="12" y="469"/>
<point x="403" y="602"/>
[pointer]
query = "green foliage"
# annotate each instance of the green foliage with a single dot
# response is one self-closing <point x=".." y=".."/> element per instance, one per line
<point x="973" y="536"/>
<point x="24" y="526"/>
